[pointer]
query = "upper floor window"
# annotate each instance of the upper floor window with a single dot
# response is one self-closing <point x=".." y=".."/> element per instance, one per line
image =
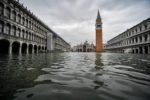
<point x="140" y="28"/>
<point x="19" y="18"/>
<point x="27" y="34"/>
<point x="7" y="29"/>
<point x="1" y="9"/>
<point x="8" y="12"/>
<point x="18" y="32"/>
<point x="145" y="26"/>
<point x="136" y="30"/>
<point x="136" y="39"/>
<point x="129" y="33"/>
<point x="22" y="35"/>
<point x="145" y="37"/>
<point x="1" y="27"/>
<point x="13" y="31"/>
<point x="27" y="22"/>
<point x="140" y="38"/>
<point x="14" y="15"/>
<point x="23" y="20"/>
<point x="132" y="32"/>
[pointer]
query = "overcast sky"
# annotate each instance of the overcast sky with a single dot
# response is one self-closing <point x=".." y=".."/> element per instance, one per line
<point x="74" y="20"/>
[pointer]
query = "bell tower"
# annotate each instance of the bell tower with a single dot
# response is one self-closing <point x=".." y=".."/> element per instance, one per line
<point x="99" y="36"/>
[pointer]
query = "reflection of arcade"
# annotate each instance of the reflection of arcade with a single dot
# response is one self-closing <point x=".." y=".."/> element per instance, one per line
<point x="98" y="62"/>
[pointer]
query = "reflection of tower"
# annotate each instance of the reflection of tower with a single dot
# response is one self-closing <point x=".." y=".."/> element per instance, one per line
<point x="98" y="61"/>
<point x="99" y="45"/>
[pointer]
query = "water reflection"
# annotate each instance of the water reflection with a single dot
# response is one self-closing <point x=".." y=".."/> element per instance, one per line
<point x="98" y="61"/>
<point x="75" y="76"/>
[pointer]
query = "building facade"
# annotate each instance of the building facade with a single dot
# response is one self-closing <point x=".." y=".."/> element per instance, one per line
<point x="99" y="37"/>
<point x="133" y="40"/>
<point x="22" y="32"/>
<point x="85" y="47"/>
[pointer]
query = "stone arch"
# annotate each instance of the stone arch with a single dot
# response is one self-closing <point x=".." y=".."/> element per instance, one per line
<point x="136" y="50"/>
<point x="4" y="46"/>
<point x="88" y="50"/>
<point x="133" y="51"/>
<point x="84" y="48"/>
<point x="8" y="12"/>
<point x="80" y="50"/>
<point x="39" y="48"/>
<point x="35" y="48"/>
<point x="42" y="47"/>
<point x="30" y="48"/>
<point x="24" y="48"/>
<point x="15" y="47"/>
<point x="1" y="8"/>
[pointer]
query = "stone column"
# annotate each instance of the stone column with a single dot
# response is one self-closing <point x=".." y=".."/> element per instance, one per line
<point x="138" y="39"/>
<point x="138" y="50"/>
<point x="20" y="48"/>
<point x="10" y="48"/>
<point x="27" y="50"/>
<point x="4" y="11"/>
<point x="143" y="50"/>
<point x="37" y="50"/>
<point x="149" y="37"/>
<point x="149" y="49"/>
<point x="143" y="39"/>
<point x="4" y="28"/>
<point x="32" y="49"/>
<point x="134" y="40"/>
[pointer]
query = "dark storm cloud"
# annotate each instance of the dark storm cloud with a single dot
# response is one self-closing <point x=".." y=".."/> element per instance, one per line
<point x="74" y="20"/>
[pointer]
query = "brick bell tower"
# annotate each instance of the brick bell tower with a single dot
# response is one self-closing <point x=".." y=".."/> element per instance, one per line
<point x="99" y="36"/>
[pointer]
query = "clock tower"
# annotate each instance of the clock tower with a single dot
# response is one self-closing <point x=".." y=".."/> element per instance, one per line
<point x="99" y="36"/>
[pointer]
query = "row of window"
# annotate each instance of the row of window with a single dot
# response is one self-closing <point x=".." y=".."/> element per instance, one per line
<point x="137" y="39"/>
<point x="131" y="32"/>
<point x="17" y="32"/>
<point x="60" y="42"/>
<point x="18" y="18"/>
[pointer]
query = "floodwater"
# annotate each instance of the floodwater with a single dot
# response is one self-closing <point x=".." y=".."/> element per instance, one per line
<point x="75" y="76"/>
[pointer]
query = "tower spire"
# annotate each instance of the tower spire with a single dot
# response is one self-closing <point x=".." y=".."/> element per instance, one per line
<point x="98" y="15"/>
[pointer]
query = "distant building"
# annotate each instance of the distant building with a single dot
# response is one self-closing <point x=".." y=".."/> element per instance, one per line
<point x="133" y="40"/>
<point x="85" y="47"/>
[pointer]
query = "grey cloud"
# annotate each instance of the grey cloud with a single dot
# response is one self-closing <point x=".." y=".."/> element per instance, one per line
<point x="74" y="20"/>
